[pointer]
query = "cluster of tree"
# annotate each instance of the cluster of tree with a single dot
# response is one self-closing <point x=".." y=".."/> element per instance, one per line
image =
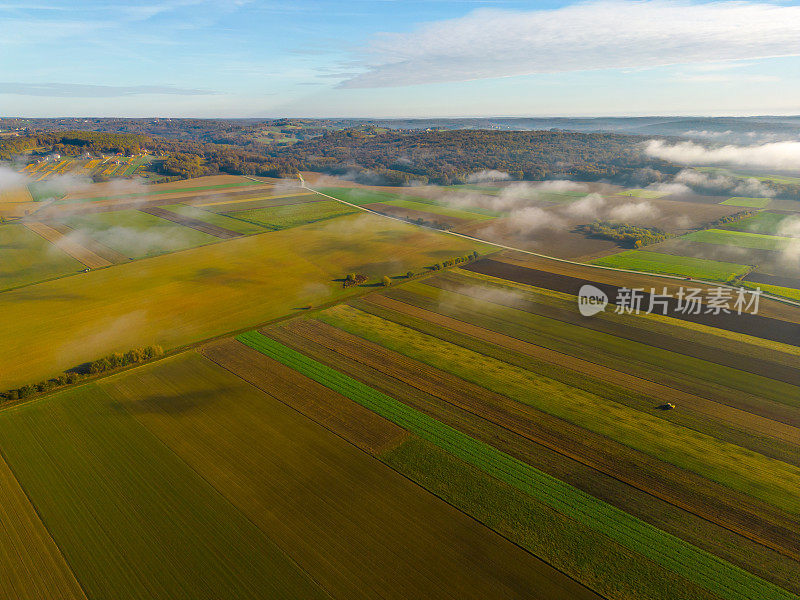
<point x="730" y="218"/>
<point x="107" y="363"/>
<point x="451" y="262"/>
<point x="354" y="279"/>
<point x="13" y="146"/>
<point x="450" y="157"/>
<point x="123" y="359"/>
<point x="625" y="234"/>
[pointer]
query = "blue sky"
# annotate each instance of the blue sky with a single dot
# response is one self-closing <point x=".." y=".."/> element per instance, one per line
<point x="401" y="58"/>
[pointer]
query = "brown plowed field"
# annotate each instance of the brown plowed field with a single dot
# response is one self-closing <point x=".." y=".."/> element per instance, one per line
<point x="749" y="324"/>
<point x="658" y="392"/>
<point x="341" y="415"/>
<point x="767" y="307"/>
<point x="714" y="503"/>
<point x="197" y="224"/>
<point x="68" y="245"/>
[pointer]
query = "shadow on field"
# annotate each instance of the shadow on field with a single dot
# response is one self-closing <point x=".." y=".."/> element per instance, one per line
<point x="171" y="404"/>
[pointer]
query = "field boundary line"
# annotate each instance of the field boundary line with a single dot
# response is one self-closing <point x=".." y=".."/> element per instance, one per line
<point x="545" y="256"/>
<point x="44" y="526"/>
<point x="388" y="466"/>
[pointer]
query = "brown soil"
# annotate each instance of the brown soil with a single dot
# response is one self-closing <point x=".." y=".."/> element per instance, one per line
<point x="341" y="415"/>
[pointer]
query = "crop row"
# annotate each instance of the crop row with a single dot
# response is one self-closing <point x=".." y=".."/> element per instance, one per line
<point x="707" y="570"/>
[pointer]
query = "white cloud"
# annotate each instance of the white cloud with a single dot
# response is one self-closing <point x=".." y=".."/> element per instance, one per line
<point x="491" y="43"/>
<point x="776" y="155"/>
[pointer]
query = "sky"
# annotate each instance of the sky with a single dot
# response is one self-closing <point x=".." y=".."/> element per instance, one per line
<point x="398" y="58"/>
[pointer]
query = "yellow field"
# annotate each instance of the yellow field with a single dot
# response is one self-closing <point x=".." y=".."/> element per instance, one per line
<point x="207" y="291"/>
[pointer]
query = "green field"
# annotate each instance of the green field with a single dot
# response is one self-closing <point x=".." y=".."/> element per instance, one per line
<point x="136" y="234"/>
<point x="132" y="520"/>
<point x="25" y="258"/>
<point x="682" y="266"/>
<point x="768" y="223"/>
<point x="292" y="215"/>
<point x="213" y="218"/>
<point x="776" y="290"/>
<point x="744" y="175"/>
<point x="184" y="297"/>
<point x="358" y="195"/>
<point x="706" y="570"/>
<point x="289" y="475"/>
<point x="740" y="239"/>
<point x="747" y="202"/>
<point x="135" y="163"/>
<point x="725" y="463"/>
<point x="465" y="213"/>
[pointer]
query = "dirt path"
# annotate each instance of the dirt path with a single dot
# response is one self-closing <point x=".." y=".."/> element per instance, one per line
<point x="69" y="245"/>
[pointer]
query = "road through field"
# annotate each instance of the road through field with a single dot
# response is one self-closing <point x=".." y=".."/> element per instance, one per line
<point x="554" y="258"/>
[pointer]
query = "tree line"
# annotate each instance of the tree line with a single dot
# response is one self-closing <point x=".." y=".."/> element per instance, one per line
<point x="111" y="362"/>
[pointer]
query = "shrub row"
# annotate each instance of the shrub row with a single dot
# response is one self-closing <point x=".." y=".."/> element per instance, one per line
<point x="101" y="365"/>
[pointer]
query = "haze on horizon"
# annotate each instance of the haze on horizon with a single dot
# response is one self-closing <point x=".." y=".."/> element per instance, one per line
<point x="321" y="58"/>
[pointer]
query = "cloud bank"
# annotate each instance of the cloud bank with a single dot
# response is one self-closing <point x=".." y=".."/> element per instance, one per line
<point x="776" y="155"/>
<point x="491" y="43"/>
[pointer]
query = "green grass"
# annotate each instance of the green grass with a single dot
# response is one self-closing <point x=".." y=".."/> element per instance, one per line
<point x="568" y="544"/>
<point x="358" y="195"/>
<point x="292" y="215"/>
<point x="730" y="465"/>
<point x="136" y="234"/>
<point x="710" y="572"/>
<point x="668" y="264"/>
<point x="763" y="222"/>
<point x="747" y="202"/>
<point x="465" y="213"/>
<point x="740" y="239"/>
<point x="26" y="258"/>
<point x="214" y="219"/>
<point x="132" y="519"/>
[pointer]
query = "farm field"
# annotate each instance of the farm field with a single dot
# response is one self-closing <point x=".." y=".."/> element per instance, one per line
<point x="768" y="223"/>
<point x="185" y="297"/>
<point x="404" y="390"/>
<point x="654" y="262"/>
<point x="136" y="234"/>
<point x="292" y="215"/>
<point x="260" y="455"/>
<point x="439" y="210"/>
<point x="748" y="202"/>
<point x="85" y="462"/>
<point x="27" y="258"/>
<point x="740" y="239"/>
<point x="213" y="218"/>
